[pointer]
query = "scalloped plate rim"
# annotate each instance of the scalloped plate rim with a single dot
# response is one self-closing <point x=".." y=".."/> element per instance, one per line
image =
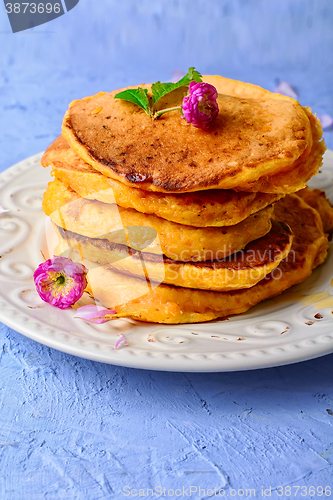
<point x="146" y="358"/>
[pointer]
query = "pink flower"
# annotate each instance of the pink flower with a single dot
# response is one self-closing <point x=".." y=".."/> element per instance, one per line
<point x="121" y="342"/>
<point x="3" y="210"/>
<point x="284" y="88"/>
<point x="326" y="121"/>
<point x="94" y="313"/>
<point x="200" y="106"/>
<point x="60" y="281"/>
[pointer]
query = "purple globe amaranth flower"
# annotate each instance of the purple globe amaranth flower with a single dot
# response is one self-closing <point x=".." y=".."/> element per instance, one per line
<point x="60" y="281"/>
<point x="199" y="105"/>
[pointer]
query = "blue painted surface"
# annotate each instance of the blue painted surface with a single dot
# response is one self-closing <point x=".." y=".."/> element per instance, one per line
<point x="74" y="429"/>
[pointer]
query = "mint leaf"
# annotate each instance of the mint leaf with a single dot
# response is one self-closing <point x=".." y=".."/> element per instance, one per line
<point x="161" y="89"/>
<point x="192" y="75"/>
<point x="137" y="96"/>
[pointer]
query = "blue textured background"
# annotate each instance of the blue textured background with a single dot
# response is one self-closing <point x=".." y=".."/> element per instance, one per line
<point x="74" y="429"/>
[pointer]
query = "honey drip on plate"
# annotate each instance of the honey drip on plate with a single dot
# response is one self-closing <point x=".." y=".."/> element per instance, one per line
<point x="320" y="299"/>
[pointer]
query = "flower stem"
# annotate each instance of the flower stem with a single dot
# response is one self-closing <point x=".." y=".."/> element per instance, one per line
<point x="157" y="114"/>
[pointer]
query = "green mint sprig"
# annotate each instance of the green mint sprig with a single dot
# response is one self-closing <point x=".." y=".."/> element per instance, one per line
<point x="139" y="96"/>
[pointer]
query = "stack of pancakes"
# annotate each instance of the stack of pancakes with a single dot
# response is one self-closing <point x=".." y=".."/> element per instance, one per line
<point x="178" y="224"/>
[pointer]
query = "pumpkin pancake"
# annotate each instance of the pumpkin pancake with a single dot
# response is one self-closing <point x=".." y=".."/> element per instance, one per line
<point x="317" y="199"/>
<point x="250" y="138"/>
<point x="185" y="243"/>
<point x="289" y="180"/>
<point x="216" y="207"/>
<point x="296" y="177"/>
<point x="242" y="270"/>
<point x="174" y="305"/>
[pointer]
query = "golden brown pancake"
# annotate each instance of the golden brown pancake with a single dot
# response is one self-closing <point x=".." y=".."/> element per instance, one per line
<point x="241" y="270"/>
<point x="289" y="180"/>
<point x="173" y="305"/>
<point x="216" y="207"/>
<point x="296" y="177"/>
<point x="317" y="199"/>
<point x="250" y="138"/>
<point x="178" y="242"/>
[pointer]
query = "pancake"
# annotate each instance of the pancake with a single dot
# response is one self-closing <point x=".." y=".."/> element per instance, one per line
<point x="241" y="270"/>
<point x="174" y="305"/>
<point x="296" y="177"/>
<point x="317" y="199"/>
<point x="249" y="138"/>
<point x="206" y="208"/>
<point x="289" y="180"/>
<point x="178" y="242"/>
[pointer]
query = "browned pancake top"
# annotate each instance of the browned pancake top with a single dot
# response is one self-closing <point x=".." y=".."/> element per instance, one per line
<point x="250" y="136"/>
<point x="60" y="155"/>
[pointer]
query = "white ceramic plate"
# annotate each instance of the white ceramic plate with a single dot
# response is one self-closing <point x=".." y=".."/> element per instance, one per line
<point x="295" y="326"/>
